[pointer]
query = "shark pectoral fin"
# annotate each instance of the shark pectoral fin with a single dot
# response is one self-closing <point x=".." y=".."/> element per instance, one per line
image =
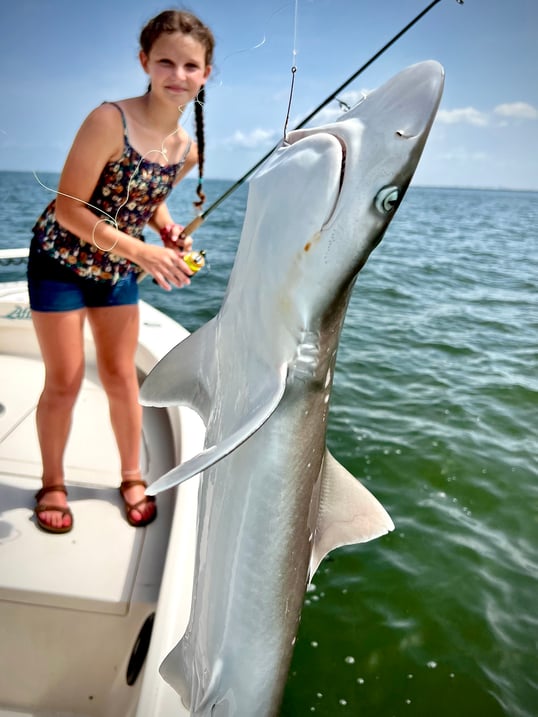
<point x="185" y="376"/>
<point x="263" y="405"/>
<point x="348" y="513"/>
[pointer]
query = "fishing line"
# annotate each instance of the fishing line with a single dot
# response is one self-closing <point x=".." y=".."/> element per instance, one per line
<point x="293" y="67"/>
<point x="108" y="218"/>
<point x="246" y="49"/>
<point x="259" y="44"/>
<point x="76" y="199"/>
<point x="190" y="228"/>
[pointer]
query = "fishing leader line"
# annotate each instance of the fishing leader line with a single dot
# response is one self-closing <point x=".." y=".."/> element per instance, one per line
<point x="293" y="67"/>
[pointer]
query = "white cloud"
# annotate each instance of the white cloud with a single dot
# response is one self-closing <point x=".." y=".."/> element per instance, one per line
<point x="466" y="115"/>
<point x="255" y="139"/>
<point x="519" y="110"/>
<point x="462" y="155"/>
<point x="472" y="116"/>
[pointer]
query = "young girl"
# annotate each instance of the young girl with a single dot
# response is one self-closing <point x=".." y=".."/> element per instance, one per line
<point x="86" y="252"/>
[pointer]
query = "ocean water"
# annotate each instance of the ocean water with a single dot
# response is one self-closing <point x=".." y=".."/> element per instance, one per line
<point x="434" y="408"/>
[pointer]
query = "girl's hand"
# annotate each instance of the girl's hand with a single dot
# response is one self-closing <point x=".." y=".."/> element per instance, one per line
<point x="173" y="237"/>
<point x="165" y="265"/>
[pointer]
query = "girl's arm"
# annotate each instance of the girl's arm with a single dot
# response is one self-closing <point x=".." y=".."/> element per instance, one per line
<point x="98" y="141"/>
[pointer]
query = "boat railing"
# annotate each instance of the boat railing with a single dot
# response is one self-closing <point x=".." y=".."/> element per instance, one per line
<point x="13" y="256"/>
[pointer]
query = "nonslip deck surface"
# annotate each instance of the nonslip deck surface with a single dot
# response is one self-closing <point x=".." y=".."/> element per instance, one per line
<point x="95" y="563"/>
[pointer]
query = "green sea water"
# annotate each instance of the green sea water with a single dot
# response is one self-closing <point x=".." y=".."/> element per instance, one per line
<point x="434" y="408"/>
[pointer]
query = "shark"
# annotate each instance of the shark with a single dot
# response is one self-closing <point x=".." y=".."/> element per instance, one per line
<point x="273" y="500"/>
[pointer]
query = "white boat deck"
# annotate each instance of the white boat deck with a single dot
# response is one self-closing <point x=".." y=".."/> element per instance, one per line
<point x="104" y="581"/>
<point x="72" y="605"/>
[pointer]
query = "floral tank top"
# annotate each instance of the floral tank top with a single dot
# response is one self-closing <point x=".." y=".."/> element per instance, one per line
<point x="127" y="194"/>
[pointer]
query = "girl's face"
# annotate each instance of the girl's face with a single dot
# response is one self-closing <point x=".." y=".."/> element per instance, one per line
<point x="176" y="67"/>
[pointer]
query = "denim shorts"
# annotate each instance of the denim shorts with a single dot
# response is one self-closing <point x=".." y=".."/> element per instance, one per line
<point x="74" y="292"/>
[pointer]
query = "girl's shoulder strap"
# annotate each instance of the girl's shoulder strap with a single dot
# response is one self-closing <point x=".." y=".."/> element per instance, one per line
<point x="122" y="113"/>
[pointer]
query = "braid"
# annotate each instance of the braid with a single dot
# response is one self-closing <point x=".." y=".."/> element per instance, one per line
<point x="200" y="139"/>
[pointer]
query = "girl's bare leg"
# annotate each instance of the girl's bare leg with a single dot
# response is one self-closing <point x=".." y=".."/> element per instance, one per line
<point x="115" y="331"/>
<point x="60" y="340"/>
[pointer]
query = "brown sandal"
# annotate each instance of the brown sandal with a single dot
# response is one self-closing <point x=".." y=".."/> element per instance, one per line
<point x="44" y="507"/>
<point x="129" y="507"/>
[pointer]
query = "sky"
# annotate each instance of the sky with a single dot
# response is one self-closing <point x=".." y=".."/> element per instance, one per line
<point x="61" y="58"/>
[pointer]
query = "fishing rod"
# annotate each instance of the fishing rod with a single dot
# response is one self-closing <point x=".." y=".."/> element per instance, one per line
<point x="197" y="221"/>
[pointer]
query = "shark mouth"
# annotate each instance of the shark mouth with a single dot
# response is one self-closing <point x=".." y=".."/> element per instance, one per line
<point x="298" y="135"/>
<point x="303" y="135"/>
<point x="387" y="198"/>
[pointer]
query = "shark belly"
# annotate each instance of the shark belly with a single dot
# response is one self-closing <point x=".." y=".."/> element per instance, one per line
<point x="254" y="546"/>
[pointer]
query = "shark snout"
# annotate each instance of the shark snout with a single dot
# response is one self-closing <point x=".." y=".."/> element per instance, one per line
<point x="408" y="102"/>
<point x="413" y="96"/>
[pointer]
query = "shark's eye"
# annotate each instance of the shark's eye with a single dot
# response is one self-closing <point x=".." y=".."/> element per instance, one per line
<point x="386" y="199"/>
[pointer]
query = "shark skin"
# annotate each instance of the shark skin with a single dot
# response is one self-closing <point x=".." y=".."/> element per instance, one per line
<point x="273" y="500"/>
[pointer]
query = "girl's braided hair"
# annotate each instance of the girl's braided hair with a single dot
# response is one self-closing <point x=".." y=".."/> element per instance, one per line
<point x="188" y="24"/>
<point x="200" y="139"/>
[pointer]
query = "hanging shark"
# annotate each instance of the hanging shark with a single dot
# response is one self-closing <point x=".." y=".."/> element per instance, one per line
<point x="273" y="500"/>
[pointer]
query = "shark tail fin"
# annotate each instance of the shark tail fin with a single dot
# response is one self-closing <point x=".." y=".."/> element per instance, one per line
<point x="348" y="513"/>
